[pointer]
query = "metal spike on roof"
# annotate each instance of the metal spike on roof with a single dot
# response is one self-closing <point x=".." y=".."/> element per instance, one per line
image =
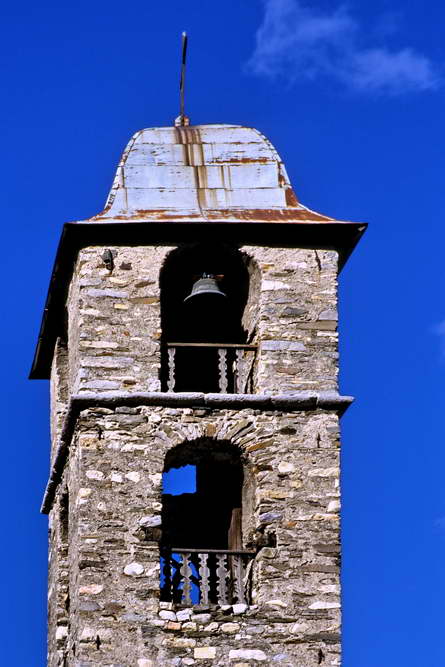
<point x="182" y="119"/>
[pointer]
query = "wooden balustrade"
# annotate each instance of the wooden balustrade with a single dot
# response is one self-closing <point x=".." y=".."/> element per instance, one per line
<point x="205" y="577"/>
<point x="233" y="365"/>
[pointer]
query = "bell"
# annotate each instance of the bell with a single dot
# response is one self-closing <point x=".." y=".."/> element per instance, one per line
<point x="207" y="284"/>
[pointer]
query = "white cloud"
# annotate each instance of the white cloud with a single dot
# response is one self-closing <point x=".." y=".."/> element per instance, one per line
<point x="297" y="42"/>
<point x="396" y="72"/>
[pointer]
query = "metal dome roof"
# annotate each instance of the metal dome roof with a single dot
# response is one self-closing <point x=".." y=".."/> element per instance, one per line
<point x="202" y="173"/>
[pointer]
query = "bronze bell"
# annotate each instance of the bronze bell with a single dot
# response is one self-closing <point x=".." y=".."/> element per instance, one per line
<point x="207" y="284"/>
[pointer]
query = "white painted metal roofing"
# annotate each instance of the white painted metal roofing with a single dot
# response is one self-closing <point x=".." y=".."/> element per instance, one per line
<point x="203" y="172"/>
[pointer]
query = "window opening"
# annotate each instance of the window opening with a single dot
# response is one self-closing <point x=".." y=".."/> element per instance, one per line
<point x="202" y="557"/>
<point x="204" y="291"/>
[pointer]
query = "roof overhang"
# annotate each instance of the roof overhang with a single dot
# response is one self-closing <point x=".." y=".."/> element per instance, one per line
<point x="339" y="236"/>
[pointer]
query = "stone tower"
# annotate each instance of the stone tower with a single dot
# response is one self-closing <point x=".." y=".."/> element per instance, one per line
<point x="238" y="382"/>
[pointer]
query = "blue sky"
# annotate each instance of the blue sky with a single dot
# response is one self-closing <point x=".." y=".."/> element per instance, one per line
<point x="352" y="96"/>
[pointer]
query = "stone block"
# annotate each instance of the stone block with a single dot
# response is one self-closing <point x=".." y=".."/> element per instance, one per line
<point x="172" y="626"/>
<point x="247" y="654"/>
<point x="110" y="293"/>
<point x="204" y="653"/>
<point x="168" y="615"/>
<point x="230" y="628"/>
<point x="239" y="609"/>
<point x="189" y="626"/>
<point x="282" y="345"/>
<point x="182" y="642"/>
<point x="91" y="589"/>
<point x="134" y="569"/>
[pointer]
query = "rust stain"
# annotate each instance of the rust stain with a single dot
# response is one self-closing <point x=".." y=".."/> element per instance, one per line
<point x="246" y="160"/>
<point x="268" y="215"/>
<point x="254" y="214"/>
<point x="143" y="214"/>
<point x="187" y="134"/>
<point x="202" y="176"/>
<point x="164" y="215"/>
<point x="291" y="199"/>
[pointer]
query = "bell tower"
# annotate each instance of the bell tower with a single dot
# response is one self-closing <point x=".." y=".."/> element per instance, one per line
<point x="190" y="330"/>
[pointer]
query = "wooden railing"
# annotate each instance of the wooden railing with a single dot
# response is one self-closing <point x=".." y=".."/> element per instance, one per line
<point x="205" y="577"/>
<point x="232" y="364"/>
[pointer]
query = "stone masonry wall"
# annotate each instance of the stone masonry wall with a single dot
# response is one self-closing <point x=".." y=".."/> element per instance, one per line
<point x="58" y="580"/>
<point x="104" y="608"/>
<point x="58" y="392"/>
<point x="115" y="327"/>
<point x="297" y="321"/>
<point x="114" y="479"/>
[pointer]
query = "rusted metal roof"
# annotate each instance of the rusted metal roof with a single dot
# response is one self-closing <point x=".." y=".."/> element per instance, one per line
<point x="203" y="173"/>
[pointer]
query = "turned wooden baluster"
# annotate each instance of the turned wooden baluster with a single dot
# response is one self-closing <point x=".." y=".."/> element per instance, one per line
<point x="171" y="369"/>
<point x="221" y="573"/>
<point x="238" y="380"/>
<point x="176" y="578"/>
<point x="186" y="572"/>
<point x="222" y="367"/>
<point x="237" y="573"/>
<point x="204" y="574"/>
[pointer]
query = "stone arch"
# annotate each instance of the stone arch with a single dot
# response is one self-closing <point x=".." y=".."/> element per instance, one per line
<point x="206" y="320"/>
<point x="203" y="555"/>
<point x="204" y="519"/>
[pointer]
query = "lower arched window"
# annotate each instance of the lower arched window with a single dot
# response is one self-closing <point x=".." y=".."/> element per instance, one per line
<point x="202" y="556"/>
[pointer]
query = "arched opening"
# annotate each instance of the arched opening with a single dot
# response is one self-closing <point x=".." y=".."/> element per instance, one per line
<point x="202" y="557"/>
<point x="206" y="333"/>
<point x="203" y="518"/>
